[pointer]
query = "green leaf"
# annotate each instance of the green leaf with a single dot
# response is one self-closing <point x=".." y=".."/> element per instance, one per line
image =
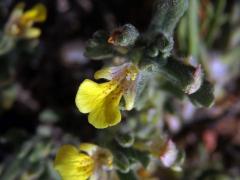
<point x="190" y="80"/>
<point x="179" y="161"/>
<point x="184" y="76"/>
<point x="48" y="116"/>
<point x="125" y="36"/>
<point x="193" y="28"/>
<point x="125" y="140"/>
<point x="128" y="176"/>
<point x="165" y="44"/>
<point x="135" y="156"/>
<point x="6" y="44"/>
<point x="170" y="88"/>
<point x="204" y="96"/>
<point x="166" y="15"/>
<point x="141" y="89"/>
<point x="98" y="48"/>
<point x="216" y="21"/>
<point x="121" y="162"/>
<point x="151" y="64"/>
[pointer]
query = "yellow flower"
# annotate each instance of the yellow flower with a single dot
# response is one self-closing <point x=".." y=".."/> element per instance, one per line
<point x="20" y="23"/>
<point x="80" y="164"/>
<point x="102" y="100"/>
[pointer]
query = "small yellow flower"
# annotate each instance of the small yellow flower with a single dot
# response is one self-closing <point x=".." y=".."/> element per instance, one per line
<point x="20" y="23"/>
<point x="80" y="164"/>
<point x="102" y="100"/>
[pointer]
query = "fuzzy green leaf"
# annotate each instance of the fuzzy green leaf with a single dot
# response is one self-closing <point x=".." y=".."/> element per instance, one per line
<point x="204" y="96"/>
<point x="174" y="90"/>
<point x="98" y="47"/>
<point x="121" y="162"/>
<point x="184" y="76"/>
<point x="125" y="140"/>
<point x="125" y="36"/>
<point x="135" y="156"/>
<point x="128" y="176"/>
<point x="166" y="15"/>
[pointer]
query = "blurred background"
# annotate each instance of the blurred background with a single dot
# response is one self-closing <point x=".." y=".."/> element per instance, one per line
<point x="39" y="80"/>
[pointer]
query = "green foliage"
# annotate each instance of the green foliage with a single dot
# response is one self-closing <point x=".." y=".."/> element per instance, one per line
<point x="124" y="36"/>
<point x="166" y="15"/>
<point x="166" y="76"/>
<point x="204" y="96"/>
<point x="180" y="74"/>
<point x="125" y="158"/>
<point x="127" y="176"/>
<point x="6" y="44"/>
<point x="135" y="156"/>
<point x="98" y="47"/>
<point x="121" y="162"/>
<point x="125" y="155"/>
<point x="125" y="140"/>
<point x="152" y="52"/>
<point x="32" y="161"/>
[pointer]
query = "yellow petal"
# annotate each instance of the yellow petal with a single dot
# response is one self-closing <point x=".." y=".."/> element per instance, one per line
<point x="110" y="73"/>
<point x="73" y="165"/>
<point x="88" y="148"/>
<point x="17" y="11"/>
<point x="103" y="155"/>
<point x="37" y="14"/>
<point x="105" y="158"/>
<point x="129" y="97"/>
<point x="32" y="33"/>
<point x="91" y="94"/>
<point x="107" y="112"/>
<point x="104" y="73"/>
<point x="11" y="28"/>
